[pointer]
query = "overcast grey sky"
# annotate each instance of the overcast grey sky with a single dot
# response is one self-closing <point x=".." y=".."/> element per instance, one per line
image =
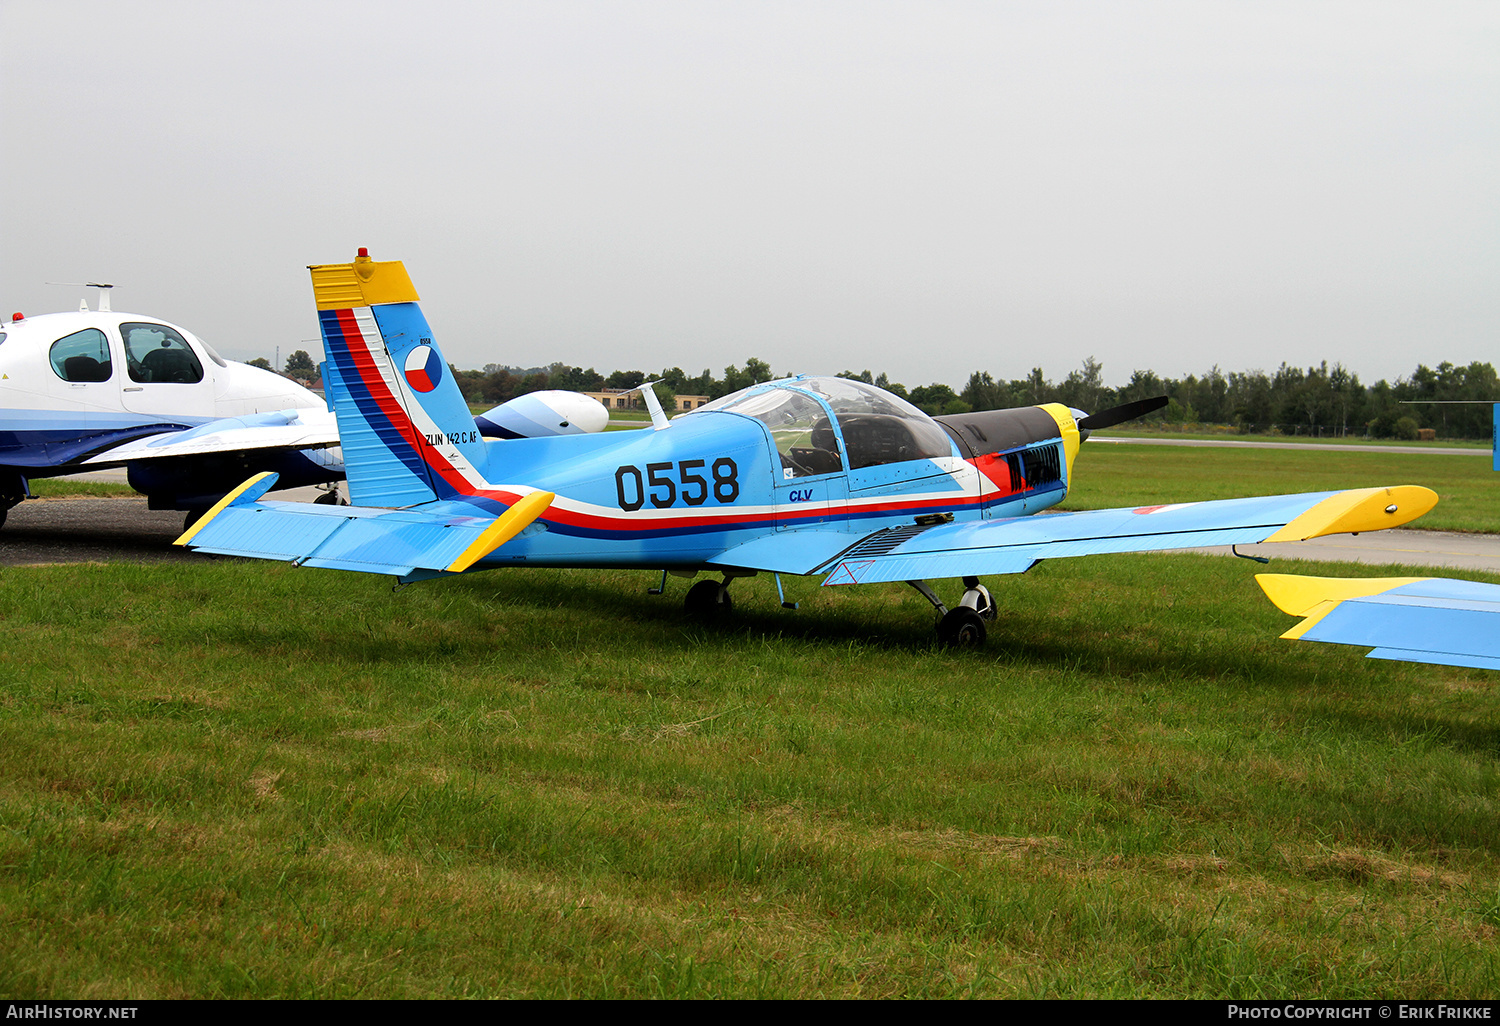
<point x="922" y="188"/>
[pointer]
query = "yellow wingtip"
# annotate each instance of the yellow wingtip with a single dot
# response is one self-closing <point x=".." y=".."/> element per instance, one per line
<point x="220" y="507"/>
<point x="1359" y="509"/>
<point x="1301" y="596"/>
<point x="510" y="523"/>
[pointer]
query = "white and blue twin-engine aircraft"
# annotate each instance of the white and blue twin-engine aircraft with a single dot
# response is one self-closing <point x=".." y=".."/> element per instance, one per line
<point x="806" y="475"/>
<point x="92" y="390"/>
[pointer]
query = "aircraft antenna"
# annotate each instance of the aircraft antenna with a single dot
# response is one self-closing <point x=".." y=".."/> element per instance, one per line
<point x="102" y="286"/>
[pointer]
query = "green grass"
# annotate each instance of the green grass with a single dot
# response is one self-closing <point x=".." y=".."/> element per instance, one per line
<point x="1228" y="434"/>
<point x="237" y="779"/>
<point x="1129" y="475"/>
<point x="72" y="488"/>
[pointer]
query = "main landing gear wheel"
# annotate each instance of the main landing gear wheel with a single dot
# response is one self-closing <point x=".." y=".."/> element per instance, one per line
<point x="193" y="516"/>
<point x="708" y="600"/>
<point x="961" y="628"/>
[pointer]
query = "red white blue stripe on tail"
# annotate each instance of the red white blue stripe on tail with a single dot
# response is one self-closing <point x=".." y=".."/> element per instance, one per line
<point x="407" y="433"/>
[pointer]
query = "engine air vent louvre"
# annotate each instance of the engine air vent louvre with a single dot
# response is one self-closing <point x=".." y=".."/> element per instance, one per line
<point x="1042" y="465"/>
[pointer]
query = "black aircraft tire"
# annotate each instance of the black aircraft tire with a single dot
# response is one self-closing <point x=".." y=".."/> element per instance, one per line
<point x="193" y="516"/>
<point x="961" y="628"/>
<point x="708" y="600"/>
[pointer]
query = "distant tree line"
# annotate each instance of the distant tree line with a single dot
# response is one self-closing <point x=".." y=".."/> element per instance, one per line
<point x="1318" y="401"/>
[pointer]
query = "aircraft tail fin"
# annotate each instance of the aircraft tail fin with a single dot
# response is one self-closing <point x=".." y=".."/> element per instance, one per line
<point x="407" y="434"/>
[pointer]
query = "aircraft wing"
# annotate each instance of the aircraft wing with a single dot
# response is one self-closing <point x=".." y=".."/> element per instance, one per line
<point x="308" y="428"/>
<point x="1416" y="619"/>
<point x="400" y="542"/>
<point x="1013" y="545"/>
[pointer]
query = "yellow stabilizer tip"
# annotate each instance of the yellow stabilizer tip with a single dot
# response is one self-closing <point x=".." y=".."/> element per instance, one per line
<point x="365" y="282"/>
<point x="1300" y="596"/>
<point x="220" y="507"/>
<point x="511" y="523"/>
<point x="1359" y="509"/>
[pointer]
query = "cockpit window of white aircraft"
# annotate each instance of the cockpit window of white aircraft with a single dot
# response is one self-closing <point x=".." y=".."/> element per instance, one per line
<point x="155" y="353"/>
<point x="82" y="356"/>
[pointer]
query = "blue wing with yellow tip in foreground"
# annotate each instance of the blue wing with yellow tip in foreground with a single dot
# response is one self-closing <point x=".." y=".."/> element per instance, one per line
<point x="1415" y="619"/>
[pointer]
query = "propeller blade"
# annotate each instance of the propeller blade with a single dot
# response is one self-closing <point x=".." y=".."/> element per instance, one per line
<point x="1120" y="414"/>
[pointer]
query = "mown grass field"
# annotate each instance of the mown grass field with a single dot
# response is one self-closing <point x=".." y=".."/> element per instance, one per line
<point x="1226" y="435"/>
<point x="239" y="779"/>
<point x="68" y="487"/>
<point x="1128" y="475"/>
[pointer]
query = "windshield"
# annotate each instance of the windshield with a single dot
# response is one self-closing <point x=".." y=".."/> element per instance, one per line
<point x="877" y="426"/>
<point x="800" y="427"/>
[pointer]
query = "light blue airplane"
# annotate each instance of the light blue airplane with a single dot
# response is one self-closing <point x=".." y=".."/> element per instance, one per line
<point x="807" y="475"/>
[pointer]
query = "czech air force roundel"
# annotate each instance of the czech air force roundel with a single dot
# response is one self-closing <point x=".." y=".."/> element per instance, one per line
<point x="424" y="368"/>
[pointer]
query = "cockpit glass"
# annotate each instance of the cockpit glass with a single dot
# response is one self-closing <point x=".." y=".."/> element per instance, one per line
<point x="213" y="354"/>
<point x="799" y="424"/>
<point x="156" y="353"/>
<point x="877" y="426"/>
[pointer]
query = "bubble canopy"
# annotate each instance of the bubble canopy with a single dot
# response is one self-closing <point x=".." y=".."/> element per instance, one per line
<point x="874" y="426"/>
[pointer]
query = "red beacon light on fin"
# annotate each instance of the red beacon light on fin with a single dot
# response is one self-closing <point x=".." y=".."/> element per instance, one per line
<point x="18" y="316"/>
<point x="363" y="252"/>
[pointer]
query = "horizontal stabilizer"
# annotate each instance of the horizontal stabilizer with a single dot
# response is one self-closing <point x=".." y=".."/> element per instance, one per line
<point x="381" y="541"/>
<point x="1414" y="619"/>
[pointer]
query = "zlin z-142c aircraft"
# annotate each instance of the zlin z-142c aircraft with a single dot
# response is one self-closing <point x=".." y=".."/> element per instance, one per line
<point x="96" y="389"/>
<point x="807" y="475"/>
